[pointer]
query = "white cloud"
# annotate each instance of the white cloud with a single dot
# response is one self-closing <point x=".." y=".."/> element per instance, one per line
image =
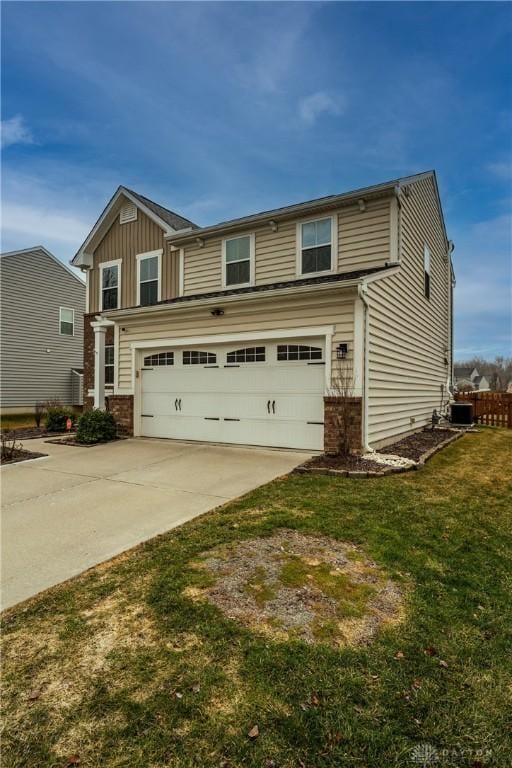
<point x="311" y="107"/>
<point x="38" y="224"/>
<point x="501" y="169"/>
<point x="15" y="131"/>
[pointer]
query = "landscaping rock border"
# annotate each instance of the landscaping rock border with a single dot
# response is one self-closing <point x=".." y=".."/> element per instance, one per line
<point x="386" y="471"/>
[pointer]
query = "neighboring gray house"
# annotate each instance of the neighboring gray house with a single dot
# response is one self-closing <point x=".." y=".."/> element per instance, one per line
<point x="467" y="378"/>
<point x="42" y="315"/>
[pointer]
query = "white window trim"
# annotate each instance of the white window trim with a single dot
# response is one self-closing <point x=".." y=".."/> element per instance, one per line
<point x="334" y="245"/>
<point x="68" y="309"/>
<point x="110" y="365"/>
<point x="251" y="260"/>
<point x="104" y="265"/>
<point x="150" y="255"/>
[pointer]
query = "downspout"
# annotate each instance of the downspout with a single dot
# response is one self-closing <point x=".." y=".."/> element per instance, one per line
<point x="361" y="292"/>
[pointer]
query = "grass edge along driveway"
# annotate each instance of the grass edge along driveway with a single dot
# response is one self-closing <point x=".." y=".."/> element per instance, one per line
<point x="119" y="668"/>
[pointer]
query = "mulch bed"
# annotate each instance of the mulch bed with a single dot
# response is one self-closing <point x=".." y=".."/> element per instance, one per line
<point x="418" y="448"/>
<point x="73" y="442"/>
<point x="414" y="446"/>
<point x="21" y="455"/>
<point x="29" y="433"/>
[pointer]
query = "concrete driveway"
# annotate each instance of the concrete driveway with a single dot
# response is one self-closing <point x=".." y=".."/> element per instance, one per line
<point x="81" y="506"/>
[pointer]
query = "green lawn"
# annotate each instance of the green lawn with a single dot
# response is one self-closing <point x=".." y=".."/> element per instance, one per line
<point x="120" y="668"/>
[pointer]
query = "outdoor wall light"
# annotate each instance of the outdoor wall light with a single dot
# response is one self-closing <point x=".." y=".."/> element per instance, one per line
<point x="341" y="351"/>
<point x="217" y="312"/>
<point x="200" y="241"/>
<point x="273" y="225"/>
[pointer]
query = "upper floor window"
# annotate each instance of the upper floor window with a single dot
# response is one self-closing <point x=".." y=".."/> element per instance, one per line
<point x="110" y="284"/>
<point x="316" y="247"/>
<point x="247" y="355"/>
<point x="426" y="271"/>
<point x="238" y="258"/>
<point x="66" y="321"/>
<point x="194" y="357"/>
<point x="109" y="364"/>
<point x="148" y="277"/>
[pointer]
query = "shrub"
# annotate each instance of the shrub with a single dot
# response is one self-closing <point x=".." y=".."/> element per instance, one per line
<point x="57" y="416"/>
<point x="39" y="412"/>
<point x="96" y="427"/>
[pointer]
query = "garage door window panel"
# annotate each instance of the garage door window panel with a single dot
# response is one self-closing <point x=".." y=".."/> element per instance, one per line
<point x="298" y="352"/>
<point x="247" y="355"/>
<point x="198" y="357"/>
<point x="161" y="358"/>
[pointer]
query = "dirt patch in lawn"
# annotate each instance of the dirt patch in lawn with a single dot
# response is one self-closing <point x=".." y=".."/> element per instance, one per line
<point x="292" y="585"/>
<point x="352" y="463"/>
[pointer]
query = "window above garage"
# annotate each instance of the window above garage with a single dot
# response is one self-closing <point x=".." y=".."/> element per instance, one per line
<point x="238" y="261"/>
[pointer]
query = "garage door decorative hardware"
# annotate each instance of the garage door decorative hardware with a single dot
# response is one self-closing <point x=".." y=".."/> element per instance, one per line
<point x="231" y="419"/>
<point x="210" y="366"/>
<point x="319" y="423"/>
<point x="231" y="366"/>
<point x="271" y="404"/>
<point x="317" y="363"/>
<point x="212" y="418"/>
<point x="147" y="416"/>
<point x="177" y="404"/>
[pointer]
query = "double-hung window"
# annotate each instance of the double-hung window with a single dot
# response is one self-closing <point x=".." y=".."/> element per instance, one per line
<point x="148" y="277"/>
<point x="316" y="246"/>
<point x="66" y="321"/>
<point x="238" y="258"/>
<point x="110" y="284"/>
<point x="426" y="271"/>
<point x="109" y="364"/>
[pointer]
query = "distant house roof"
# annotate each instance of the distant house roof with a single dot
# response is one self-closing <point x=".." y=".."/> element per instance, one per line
<point x="173" y="219"/>
<point x="477" y="379"/>
<point x="463" y="372"/>
<point x="41" y="249"/>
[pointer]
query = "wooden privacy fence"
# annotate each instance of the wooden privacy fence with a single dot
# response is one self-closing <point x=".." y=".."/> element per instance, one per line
<point x="491" y="408"/>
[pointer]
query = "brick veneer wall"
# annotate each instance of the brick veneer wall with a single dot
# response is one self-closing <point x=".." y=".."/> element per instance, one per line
<point x="121" y="406"/>
<point x="332" y="407"/>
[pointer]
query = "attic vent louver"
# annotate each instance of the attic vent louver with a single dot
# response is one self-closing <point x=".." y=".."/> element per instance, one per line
<point x="128" y="213"/>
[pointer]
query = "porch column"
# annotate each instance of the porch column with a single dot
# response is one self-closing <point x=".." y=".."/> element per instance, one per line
<point x="99" y="365"/>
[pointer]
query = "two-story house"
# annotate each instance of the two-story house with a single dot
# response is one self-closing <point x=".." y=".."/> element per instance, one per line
<point x="42" y="333"/>
<point x="240" y="332"/>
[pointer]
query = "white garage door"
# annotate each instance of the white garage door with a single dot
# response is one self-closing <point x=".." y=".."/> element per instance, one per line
<point x="258" y="393"/>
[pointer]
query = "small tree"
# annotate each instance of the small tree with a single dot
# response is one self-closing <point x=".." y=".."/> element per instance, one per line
<point x="342" y="389"/>
<point x="39" y="413"/>
<point x="9" y="447"/>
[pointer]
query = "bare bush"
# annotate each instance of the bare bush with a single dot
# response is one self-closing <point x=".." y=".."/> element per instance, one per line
<point x="39" y="410"/>
<point x="9" y="447"/>
<point x="342" y="388"/>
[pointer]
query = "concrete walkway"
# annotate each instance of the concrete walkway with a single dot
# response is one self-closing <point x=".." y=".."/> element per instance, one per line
<point x="81" y="506"/>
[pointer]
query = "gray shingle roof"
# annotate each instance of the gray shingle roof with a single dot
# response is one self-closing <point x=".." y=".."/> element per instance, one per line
<point x="173" y="219"/>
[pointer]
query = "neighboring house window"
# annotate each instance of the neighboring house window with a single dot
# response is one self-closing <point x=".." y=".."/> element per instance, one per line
<point x="198" y="358"/>
<point x="162" y="358"/>
<point x="66" y="321"/>
<point x="110" y="284"/>
<point x="426" y="271"/>
<point x="298" y="352"/>
<point x="238" y="257"/>
<point x="109" y="364"/>
<point x="148" y="278"/>
<point x="316" y="248"/>
<point x="249" y="355"/>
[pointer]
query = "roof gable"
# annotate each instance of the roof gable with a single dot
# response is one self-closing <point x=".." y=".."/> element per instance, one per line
<point x="166" y="219"/>
<point x="45" y="252"/>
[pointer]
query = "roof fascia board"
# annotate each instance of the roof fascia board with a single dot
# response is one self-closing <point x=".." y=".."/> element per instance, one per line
<point x="254" y="296"/>
<point x="50" y="255"/>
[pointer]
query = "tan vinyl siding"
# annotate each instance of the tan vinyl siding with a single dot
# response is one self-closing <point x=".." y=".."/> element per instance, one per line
<point x="261" y="315"/>
<point x="363" y="242"/>
<point x="170" y="274"/>
<point x="409" y="335"/>
<point x="125" y="241"/>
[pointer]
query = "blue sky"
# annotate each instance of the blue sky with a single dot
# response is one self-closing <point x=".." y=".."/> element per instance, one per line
<point x="221" y="109"/>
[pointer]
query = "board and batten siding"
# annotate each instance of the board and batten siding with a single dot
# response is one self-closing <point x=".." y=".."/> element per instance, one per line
<point x="409" y="335"/>
<point x="36" y="359"/>
<point x="363" y="242"/>
<point x="265" y="314"/>
<point x="125" y="241"/>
